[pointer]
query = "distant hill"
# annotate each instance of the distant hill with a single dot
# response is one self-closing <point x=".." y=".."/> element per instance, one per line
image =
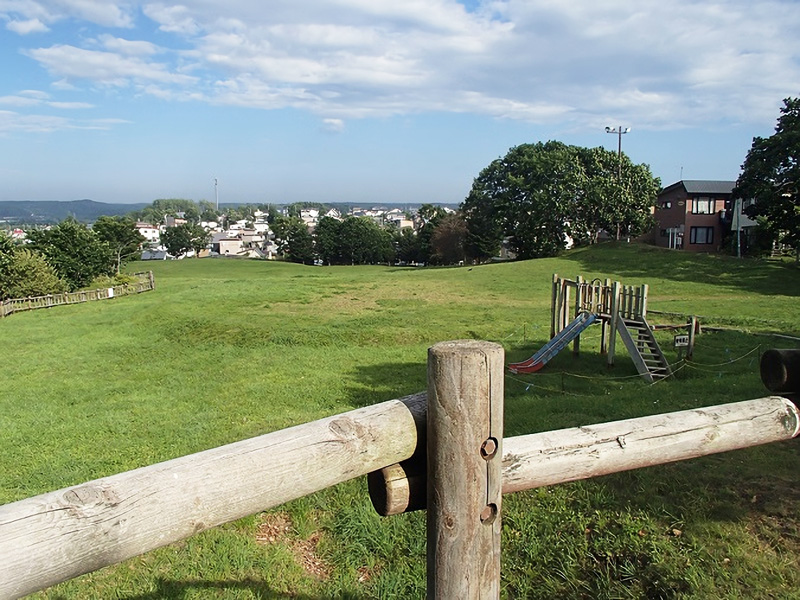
<point x="46" y="211"/>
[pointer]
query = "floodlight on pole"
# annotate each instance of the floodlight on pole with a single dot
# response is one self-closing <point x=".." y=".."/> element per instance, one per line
<point x="619" y="131"/>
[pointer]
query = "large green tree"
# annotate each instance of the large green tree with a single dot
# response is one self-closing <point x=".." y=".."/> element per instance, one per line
<point x="122" y="237"/>
<point x="76" y="253"/>
<point x="539" y="195"/>
<point x="448" y="241"/>
<point x="406" y="242"/>
<point x="299" y="242"/>
<point x="25" y="273"/>
<point x="430" y="217"/>
<point x="181" y="239"/>
<point x="771" y="178"/>
<point x="362" y="241"/>
<point x="326" y="240"/>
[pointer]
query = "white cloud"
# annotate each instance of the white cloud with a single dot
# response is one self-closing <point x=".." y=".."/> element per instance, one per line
<point x="128" y="47"/>
<point x="172" y="19"/>
<point x="106" y="68"/>
<point x="18" y="101"/>
<point x="333" y="125"/>
<point x="48" y="12"/>
<point x="70" y="105"/>
<point x="577" y="63"/>
<point x="13" y="122"/>
<point x="27" y="26"/>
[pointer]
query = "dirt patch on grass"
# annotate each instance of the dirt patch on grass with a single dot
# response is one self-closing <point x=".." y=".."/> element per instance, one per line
<point x="276" y="528"/>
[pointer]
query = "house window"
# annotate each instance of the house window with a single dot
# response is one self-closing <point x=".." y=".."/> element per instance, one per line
<point x="703" y="205"/>
<point x="701" y="235"/>
<point x="666" y="204"/>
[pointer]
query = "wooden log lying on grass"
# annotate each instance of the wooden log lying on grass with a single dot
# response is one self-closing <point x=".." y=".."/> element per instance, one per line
<point x="552" y="457"/>
<point x="56" y="536"/>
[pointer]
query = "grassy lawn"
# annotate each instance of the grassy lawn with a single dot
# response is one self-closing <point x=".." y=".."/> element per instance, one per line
<point x="225" y="350"/>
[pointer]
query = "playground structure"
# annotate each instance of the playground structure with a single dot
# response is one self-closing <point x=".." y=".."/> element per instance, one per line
<point x="619" y="309"/>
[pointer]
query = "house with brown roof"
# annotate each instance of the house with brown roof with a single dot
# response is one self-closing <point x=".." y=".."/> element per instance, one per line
<point x="693" y="215"/>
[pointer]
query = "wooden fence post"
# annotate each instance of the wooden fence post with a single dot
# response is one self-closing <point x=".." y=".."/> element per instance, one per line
<point x="465" y="436"/>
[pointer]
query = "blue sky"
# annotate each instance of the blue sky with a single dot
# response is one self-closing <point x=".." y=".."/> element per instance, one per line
<point x="380" y="101"/>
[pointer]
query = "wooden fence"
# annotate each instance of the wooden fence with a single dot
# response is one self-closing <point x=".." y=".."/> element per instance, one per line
<point x="145" y="282"/>
<point x="451" y="439"/>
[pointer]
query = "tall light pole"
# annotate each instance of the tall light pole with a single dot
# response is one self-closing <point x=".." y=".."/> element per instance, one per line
<point x="619" y="131"/>
<point x="216" y="193"/>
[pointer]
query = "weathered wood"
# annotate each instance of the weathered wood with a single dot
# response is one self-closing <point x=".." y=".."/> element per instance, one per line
<point x="576" y="343"/>
<point x="553" y="298"/>
<point x="615" y="316"/>
<point x="582" y="452"/>
<point x="56" y="536"/>
<point x="645" y="290"/>
<point x="464" y="492"/>
<point x="553" y="457"/>
<point x="692" y="334"/>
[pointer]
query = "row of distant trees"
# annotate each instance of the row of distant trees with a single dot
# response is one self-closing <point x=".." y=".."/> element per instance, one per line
<point x="66" y="257"/>
<point x="360" y="240"/>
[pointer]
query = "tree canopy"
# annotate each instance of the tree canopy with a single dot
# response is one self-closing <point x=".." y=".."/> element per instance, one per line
<point x="180" y="239"/>
<point x="540" y="195"/>
<point x="76" y="253"/>
<point x="352" y="241"/>
<point x="25" y="273"/>
<point x="771" y="178"/>
<point x="122" y="237"/>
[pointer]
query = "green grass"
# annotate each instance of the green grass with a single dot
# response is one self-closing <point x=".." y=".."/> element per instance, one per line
<point x="225" y="350"/>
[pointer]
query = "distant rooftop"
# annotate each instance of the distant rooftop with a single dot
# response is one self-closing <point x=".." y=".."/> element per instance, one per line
<point x="703" y="186"/>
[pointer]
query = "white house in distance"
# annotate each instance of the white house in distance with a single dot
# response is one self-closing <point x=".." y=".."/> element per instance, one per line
<point x="149" y="232"/>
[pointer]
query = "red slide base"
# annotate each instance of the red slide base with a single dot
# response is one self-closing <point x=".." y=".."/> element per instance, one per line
<point x="525" y="367"/>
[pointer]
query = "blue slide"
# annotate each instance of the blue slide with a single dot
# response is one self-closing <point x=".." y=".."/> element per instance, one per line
<point x="554" y="346"/>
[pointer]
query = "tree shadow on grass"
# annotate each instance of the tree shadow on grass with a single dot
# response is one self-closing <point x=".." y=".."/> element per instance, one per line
<point x="167" y="589"/>
<point x="371" y="384"/>
<point x="749" y="275"/>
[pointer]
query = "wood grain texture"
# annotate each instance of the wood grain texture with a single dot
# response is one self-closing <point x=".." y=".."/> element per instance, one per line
<point x="56" y="536"/>
<point x="582" y="452"/>
<point x="464" y="491"/>
<point x="553" y="457"/>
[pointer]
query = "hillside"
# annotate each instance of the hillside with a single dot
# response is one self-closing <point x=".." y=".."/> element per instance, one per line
<point x="49" y="212"/>
<point x="224" y="350"/>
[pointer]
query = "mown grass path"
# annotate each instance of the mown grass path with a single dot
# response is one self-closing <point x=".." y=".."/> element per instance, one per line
<point x="224" y="350"/>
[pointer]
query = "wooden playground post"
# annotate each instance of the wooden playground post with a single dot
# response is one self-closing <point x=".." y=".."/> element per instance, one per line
<point x="643" y="312"/>
<point x="612" y="330"/>
<point x="553" y="301"/>
<point x="465" y="481"/>
<point x="576" y="344"/>
<point x="692" y="332"/>
<point x="604" y="309"/>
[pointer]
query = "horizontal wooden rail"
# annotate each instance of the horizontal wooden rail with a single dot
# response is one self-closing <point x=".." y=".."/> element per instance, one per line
<point x="56" y="536"/>
<point x="552" y="457"/>
<point x="50" y="538"/>
<point x="542" y="459"/>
